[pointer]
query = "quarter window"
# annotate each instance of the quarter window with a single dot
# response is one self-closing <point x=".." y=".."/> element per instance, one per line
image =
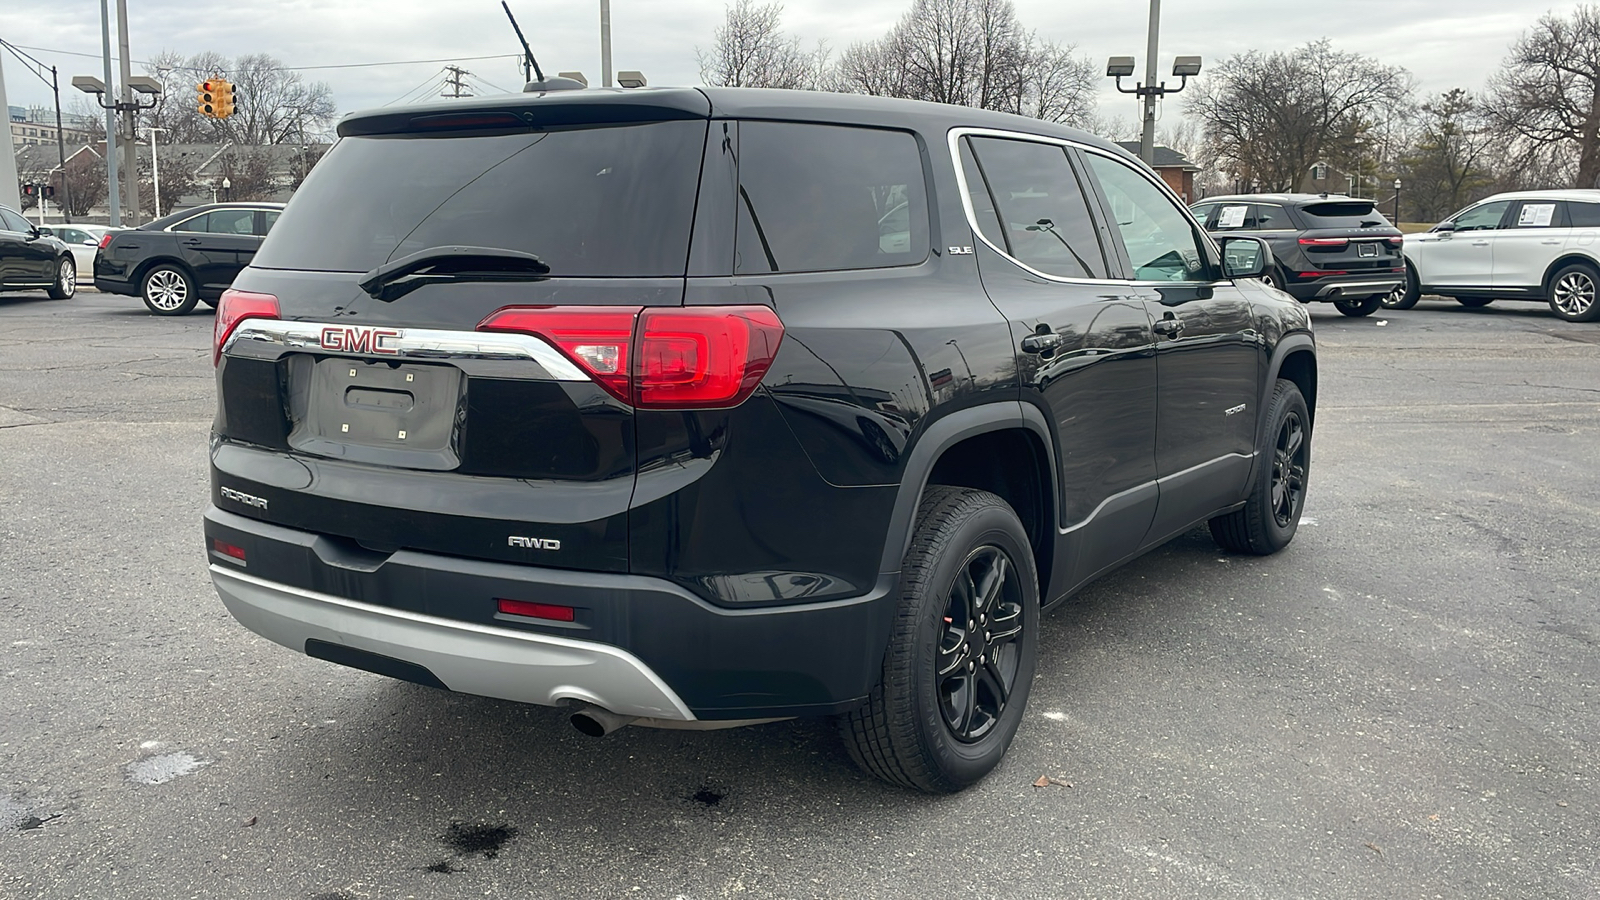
<point x="818" y="198"/>
<point x="1161" y="242"/>
<point x="198" y="223"/>
<point x="1583" y="215"/>
<point x="1043" y="215"/>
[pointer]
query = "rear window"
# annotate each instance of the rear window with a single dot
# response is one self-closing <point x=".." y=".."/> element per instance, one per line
<point x="588" y="202"/>
<point x="816" y="198"/>
<point x="1342" y="214"/>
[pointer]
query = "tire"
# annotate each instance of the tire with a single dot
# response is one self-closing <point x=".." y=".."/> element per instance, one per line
<point x="1406" y="295"/>
<point x="1273" y="278"/>
<point x="66" y="283"/>
<point x="1574" y="295"/>
<point x="168" y="291"/>
<point x="1269" y="518"/>
<point x="1474" y="302"/>
<point x="941" y="733"/>
<point x="1365" y="306"/>
<point x="210" y="302"/>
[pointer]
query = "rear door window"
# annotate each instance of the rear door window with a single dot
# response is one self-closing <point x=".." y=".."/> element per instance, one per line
<point x="1540" y="214"/>
<point x="816" y="198"/>
<point x="611" y="201"/>
<point x="1043" y="214"/>
<point x="1583" y="215"/>
<point x="198" y="223"/>
<point x="1270" y="217"/>
<point x="231" y="221"/>
<point x="1233" y="217"/>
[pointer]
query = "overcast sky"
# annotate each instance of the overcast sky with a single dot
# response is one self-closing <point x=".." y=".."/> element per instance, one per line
<point x="1444" y="44"/>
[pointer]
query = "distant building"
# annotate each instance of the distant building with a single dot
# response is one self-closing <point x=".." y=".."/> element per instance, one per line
<point x="35" y="125"/>
<point x="1173" y="167"/>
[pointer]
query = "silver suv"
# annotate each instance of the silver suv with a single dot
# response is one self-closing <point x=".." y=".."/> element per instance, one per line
<point x="1530" y="245"/>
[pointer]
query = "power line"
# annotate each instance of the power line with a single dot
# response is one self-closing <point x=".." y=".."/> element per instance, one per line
<point x="365" y="65"/>
<point x="455" y="82"/>
<point x="487" y="83"/>
<point x="425" y="87"/>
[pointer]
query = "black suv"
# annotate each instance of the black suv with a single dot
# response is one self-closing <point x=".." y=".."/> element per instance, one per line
<point x="697" y="408"/>
<point x="1328" y="247"/>
<point x="176" y="261"/>
<point x="32" y="260"/>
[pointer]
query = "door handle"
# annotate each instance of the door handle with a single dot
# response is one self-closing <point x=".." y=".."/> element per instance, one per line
<point x="191" y="242"/>
<point x="1041" y="343"/>
<point x="1480" y="243"/>
<point x="1552" y="241"/>
<point x="1169" y="327"/>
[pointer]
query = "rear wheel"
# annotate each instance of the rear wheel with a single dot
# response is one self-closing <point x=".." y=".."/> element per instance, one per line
<point x="66" y="280"/>
<point x="168" y="291"/>
<point x="1365" y="306"/>
<point x="961" y="654"/>
<point x="1272" y="278"/>
<point x="1271" y="515"/>
<point x="1573" y="294"/>
<point x="1474" y="302"/>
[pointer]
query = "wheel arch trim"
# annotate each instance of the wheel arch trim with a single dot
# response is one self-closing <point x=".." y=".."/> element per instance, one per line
<point x="941" y="435"/>
<point x="1561" y="262"/>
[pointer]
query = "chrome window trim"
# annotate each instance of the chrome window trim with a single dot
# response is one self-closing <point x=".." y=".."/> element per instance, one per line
<point x="954" y="141"/>
<point x="413" y="344"/>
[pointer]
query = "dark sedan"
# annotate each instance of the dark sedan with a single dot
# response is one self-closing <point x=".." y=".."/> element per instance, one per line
<point x="189" y="256"/>
<point x="1328" y="247"/>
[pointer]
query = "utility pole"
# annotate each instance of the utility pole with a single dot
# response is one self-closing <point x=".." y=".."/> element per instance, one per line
<point x="1147" y="141"/>
<point x="113" y="198"/>
<point x="130" y="142"/>
<point x="64" y="207"/>
<point x="454" y="85"/>
<point x="605" y="43"/>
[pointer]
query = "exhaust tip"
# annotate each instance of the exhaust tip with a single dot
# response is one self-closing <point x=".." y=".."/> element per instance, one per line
<point x="586" y="724"/>
<point x="597" y="722"/>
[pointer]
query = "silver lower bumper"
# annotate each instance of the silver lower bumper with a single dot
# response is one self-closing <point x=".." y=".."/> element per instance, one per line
<point x="474" y="659"/>
<point x="1360" y="288"/>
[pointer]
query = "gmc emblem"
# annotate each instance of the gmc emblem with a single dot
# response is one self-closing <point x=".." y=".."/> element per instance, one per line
<point x="361" y="339"/>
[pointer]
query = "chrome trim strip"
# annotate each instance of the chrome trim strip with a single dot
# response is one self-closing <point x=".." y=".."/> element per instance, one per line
<point x="513" y="665"/>
<point x="413" y="343"/>
<point x="1095" y="513"/>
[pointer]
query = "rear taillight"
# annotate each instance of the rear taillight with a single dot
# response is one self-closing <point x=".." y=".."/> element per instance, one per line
<point x="697" y="357"/>
<point x="1397" y="240"/>
<point x="235" y="307"/>
<point x="1324" y="242"/>
<point x="104" y="240"/>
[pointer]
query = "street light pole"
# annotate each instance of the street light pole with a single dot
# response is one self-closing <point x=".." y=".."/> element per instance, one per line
<point x="130" y="143"/>
<point x="1397" y="203"/>
<point x="605" y="43"/>
<point x="1147" y="140"/>
<point x="155" y="168"/>
<point x="114" y="197"/>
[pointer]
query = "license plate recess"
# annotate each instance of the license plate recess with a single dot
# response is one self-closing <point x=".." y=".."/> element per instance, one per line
<point x="386" y="413"/>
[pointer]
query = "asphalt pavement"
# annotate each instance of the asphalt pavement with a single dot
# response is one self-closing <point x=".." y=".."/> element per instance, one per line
<point x="1403" y="704"/>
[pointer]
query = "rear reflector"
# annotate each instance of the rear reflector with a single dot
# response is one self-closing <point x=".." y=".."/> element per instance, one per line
<point x="697" y="357"/>
<point x="227" y="549"/>
<point x="536" y="610"/>
<point x="235" y="307"/>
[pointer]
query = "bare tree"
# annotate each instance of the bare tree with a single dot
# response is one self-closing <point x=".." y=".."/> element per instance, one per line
<point x="751" y="50"/>
<point x="249" y="173"/>
<point x="85" y="182"/>
<point x="1547" y="94"/>
<point x="1268" y="117"/>
<point x="1448" y="164"/>
<point x="972" y="53"/>
<point x="177" y="182"/>
<point x="272" y="104"/>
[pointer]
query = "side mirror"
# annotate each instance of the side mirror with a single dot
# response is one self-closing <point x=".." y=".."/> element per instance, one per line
<point x="1245" y="257"/>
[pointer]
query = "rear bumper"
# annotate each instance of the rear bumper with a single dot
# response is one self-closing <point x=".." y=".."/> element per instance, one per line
<point x="1341" y="287"/>
<point x="115" y="286"/>
<point x="473" y="659"/>
<point x="638" y="646"/>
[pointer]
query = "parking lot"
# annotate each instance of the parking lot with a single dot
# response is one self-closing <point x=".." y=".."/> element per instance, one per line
<point x="1402" y="704"/>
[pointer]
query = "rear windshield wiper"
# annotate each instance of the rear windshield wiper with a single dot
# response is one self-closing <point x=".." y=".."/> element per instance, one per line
<point x="398" y="277"/>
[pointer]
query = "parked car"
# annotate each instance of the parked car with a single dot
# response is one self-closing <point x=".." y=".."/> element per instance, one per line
<point x="1530" y="245"/>
<point x="84" y="242"/>
<point x="32" y="260"/>
<point x="178" y="260"/>
<point x="658" y="405"/>
<point x="1328" y="247"/>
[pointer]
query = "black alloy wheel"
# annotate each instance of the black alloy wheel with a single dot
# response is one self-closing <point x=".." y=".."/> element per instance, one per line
<point x="979" y="649"/>
<point x="1290" y="459"/>
<point x="1271" y="514"/>
<point x="959" y="665"/>
<point x="1573" y="294"/>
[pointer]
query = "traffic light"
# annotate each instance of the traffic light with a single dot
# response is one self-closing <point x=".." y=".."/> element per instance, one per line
<point x="215" y="98"/>
<point x="28" y="190"/>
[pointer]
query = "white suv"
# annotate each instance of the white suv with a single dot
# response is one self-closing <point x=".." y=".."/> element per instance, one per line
<point x="1531" y="245"/>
